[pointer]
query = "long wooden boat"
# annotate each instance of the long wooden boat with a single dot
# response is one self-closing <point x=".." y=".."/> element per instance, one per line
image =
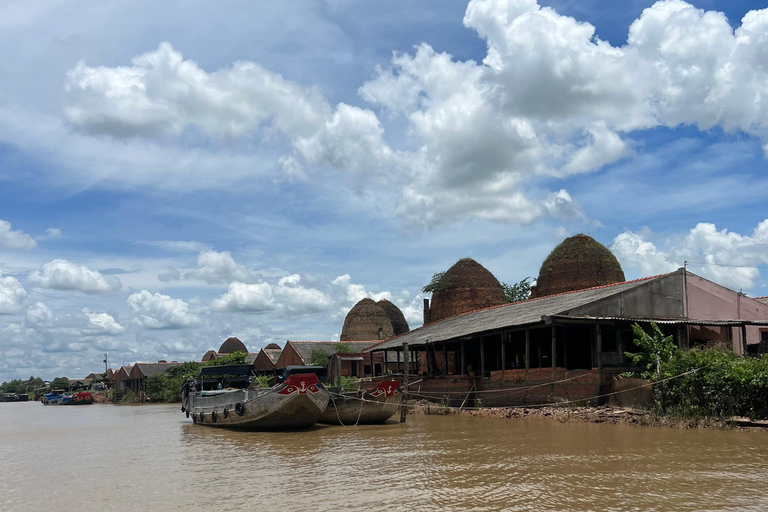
<point x="297" y="402"/>
<point x="82" y="398"/>
<point x="53" y="398"/>
<point x="374" y="405"/>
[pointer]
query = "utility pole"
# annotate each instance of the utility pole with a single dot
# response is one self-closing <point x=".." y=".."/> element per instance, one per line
<point x="105" y="363"/>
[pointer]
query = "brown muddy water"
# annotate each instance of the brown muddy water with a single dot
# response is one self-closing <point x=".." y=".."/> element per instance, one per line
<point x="150" y="458"/>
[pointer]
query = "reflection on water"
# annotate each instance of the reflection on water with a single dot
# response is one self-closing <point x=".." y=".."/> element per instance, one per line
<point x="152" y="458"/>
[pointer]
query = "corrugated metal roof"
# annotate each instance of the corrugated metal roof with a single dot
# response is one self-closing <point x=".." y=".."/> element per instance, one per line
<point x="527" y="312"/>
<point x="666" y="321"/>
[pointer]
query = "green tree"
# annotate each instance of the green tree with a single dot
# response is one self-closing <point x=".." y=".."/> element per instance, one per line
<point x="344" y="348"/>
<point x="59" y="383"/>
<point x="319" y="357"/>
<point x="438" y="283"/>
<point x="521" y="290"/>
<point x="657" y="351"/>
<point x="238" y="357"/>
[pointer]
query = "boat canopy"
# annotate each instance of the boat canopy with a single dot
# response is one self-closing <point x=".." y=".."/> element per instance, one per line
<point x="237" y="370"/>
<point x="320" y="371"/>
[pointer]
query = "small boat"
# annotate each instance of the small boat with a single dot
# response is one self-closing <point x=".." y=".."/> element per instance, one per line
<point x="373" y="405"/>
<point x="296" y="401"/>
<point x="53" y="398"/>
<point x="82" y="398"/>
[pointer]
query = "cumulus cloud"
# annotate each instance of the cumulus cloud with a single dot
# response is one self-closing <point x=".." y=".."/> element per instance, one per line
<point x="483" y="140"/>
<point x="162" y="93"/>
<point x="10" y="239"/>
<point x="63" y="275"/>
<point x="551" y="99"/>
<point x="356" y="292"/>
<point x="219" y="267"/>
<point x="158" y="311"/>
<point x="287" y="297"/>
<point x="725" y="257"/>
<point x="104" y="323"/>
<point x="12" y="295"/>
<point x="40" y="316"/>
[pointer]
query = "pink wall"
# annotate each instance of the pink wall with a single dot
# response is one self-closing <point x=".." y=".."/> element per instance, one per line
<point x="709" y="301"/>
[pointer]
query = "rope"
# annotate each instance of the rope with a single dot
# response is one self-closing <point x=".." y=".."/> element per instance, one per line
<point x="689" y="372"/>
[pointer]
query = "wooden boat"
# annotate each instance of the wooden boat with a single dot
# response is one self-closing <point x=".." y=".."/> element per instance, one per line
<point x="374" y="405"/>
<point x="295" y="402"/>
<point x="82" y="398"/>
<point x="53" y="398"/>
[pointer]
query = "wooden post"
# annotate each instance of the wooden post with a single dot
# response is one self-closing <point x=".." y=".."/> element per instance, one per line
<point x="338" y="372"/>
<point x="527" y="352"/>
<point x="599" y="350"/>
<point x="504" y="338"/>
<point x="445" y="359"/>
<point x="406" y="356"/>
<point x="373" y="367"/>
<point x="386" y="364"/>
<point x="398" y="362"/>
<point x="554" y="351"/>
<point x="743" y="340"/>
<point x="463" y="359"/>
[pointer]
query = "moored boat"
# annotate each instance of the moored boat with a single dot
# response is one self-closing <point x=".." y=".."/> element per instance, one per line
<point x="297" y="401"/>
<point x="53" y="398"/>
<point x="373" y="405"/>
<point x="82" y="398"/>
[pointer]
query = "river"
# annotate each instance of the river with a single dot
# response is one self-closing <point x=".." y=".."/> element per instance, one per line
<point x="106" y="457"/>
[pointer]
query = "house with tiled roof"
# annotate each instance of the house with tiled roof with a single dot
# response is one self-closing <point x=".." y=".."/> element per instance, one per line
<point x="355" y="364"/>
<point x="137" y="378"/>
<point x="265" y="362"/>
<point x="570" y="345"/>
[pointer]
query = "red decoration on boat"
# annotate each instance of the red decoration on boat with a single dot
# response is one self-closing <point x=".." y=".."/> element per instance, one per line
<point x="301" y="383"/>
<point x="385" y="387"/>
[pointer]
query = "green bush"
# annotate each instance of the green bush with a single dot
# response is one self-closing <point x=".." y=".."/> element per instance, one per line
<point x="697" y="383"/>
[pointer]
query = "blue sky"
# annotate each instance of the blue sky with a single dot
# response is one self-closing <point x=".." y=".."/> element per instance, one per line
<point x="172" y="175"/>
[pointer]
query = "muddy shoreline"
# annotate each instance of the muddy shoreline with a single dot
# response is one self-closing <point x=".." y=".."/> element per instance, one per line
<point x="602" y="414"/>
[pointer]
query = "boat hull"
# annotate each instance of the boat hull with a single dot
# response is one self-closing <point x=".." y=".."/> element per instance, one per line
<point x="375" y="405"/>
<point x="297" y="403"/>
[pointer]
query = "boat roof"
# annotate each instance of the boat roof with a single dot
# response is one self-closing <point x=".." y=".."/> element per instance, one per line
<point x="228" y="369"/>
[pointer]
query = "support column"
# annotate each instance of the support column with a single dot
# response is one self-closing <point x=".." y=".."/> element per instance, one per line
<point x="554" y="351"/>
<point x="386" y="364"/>
<point x="445" y="359"/>
<point x="373" y="366"/>
<point x="463" y="359"/>
<point x="599" y="350"/>
<point x="406" y="356"/>
<point x="743" y="340"/>
<point x="504" y="339"/>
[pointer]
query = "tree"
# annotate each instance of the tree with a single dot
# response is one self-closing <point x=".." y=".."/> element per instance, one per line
<point x="344" y="348"/>
<point x="518" y="291"/>
<point x="59" y="383"/>
<point x="238" y="357"/>
<point x="439" y="282"/>
<point x="657" y="351"/>
<point x="319" y="357"/>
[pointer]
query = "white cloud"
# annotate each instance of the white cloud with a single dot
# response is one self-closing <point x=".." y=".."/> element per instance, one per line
<point x="12" y="295"/>
<point x="725" y="257"/>
<point x="287" y="297"/>
<point x="551" y="99"/>
<point x="161" y="93"/>
<point x="296" y="299"/>
<point x="252" y="298"/>
<point x="170" y="274"/>
<point x="158" y="311"/>
<point x="357" y="292"/>
<point x="104" y="323"/>
<point x="219" y="267"/>
<point x="40" y="316"/>
<point x="10" y="239"/>
<point x="50" y="234"/>
<point x="62" y="275"/>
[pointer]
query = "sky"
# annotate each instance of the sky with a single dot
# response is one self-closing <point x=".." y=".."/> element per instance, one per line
<point x="175" y="173"/>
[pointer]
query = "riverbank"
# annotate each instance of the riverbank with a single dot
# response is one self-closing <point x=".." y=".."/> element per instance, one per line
<point x="603" y="414"/>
